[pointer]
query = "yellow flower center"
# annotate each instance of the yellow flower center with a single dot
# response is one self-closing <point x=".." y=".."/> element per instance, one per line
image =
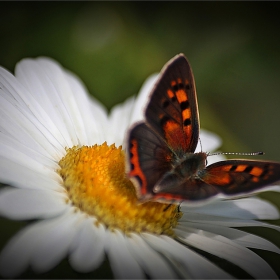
<point x="95" y="180"/>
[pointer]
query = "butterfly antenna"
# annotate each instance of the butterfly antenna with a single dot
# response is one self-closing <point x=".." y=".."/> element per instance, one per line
<point x="239" y="154"/>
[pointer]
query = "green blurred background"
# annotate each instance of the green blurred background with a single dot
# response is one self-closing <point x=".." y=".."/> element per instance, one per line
<point x="233" y="47"/>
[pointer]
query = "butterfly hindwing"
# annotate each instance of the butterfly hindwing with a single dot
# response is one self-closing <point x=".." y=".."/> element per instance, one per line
<point x="184" y="181"/>
<point x="195" y="190"/>
<point x="232" y="177"/>
<point x="149" y="157"/>
<point x="172" y="110"/>
<point x="228" y="178"/>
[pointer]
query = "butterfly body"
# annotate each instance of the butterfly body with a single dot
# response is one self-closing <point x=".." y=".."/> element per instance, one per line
<point x="188" y="168"/>
<point x="161" y="150"/>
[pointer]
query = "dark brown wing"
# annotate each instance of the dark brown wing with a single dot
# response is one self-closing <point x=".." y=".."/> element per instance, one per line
<point x="148" y="158"/>
<point x="172" y="110"/>
<point x="187" y="190"/>
<point x="233" y="177"/>
<point x="229" y="178"/>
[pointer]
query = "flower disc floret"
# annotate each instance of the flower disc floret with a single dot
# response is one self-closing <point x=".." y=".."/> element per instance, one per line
<point x="95" y="180"/>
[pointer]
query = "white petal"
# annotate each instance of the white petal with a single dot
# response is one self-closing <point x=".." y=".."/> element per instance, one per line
<point x="273" y="188"/>
<point x="22" y="116"/>
<point x="23" y="204"/>
<point x="246" y="208"/>
<point x="101" y="122"/>
<point x="15" y="256"/>
<point x="46" y="82"/>
<point x="27" y="178"/>
<point x="89" y="247"/>
<point x="28" y="130"/>
<point x="195" y="265"/>
<point x="153" y="263"/>
<point x="55" y="242"/>
<point x="142" y="99"/>
<point x="263" y="210"/>
<point x="238" y="236"/>
<point x="123" y="265"/>
<point x="119" y="120"/>
<point x="18" y="252"/>
<point x="88" y="115"/>
<point x="209" y="141"/>
<point x="21" y="157"/>
<point x="15" y="146"/>
<point x="215" y="158"/>
<point x="93" y="114"/>
<point x="13" y="92"/>
<point x="63" y="97"/>
<point x="227" y="249"/>
<point x="223" y="221"/>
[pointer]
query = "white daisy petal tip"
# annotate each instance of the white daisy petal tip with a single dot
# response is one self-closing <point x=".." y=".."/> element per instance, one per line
<point x="88" y="251"/>
<point x="31" y="204"/>
<point x="123" y="264"/>
<point x="142" y="97"/>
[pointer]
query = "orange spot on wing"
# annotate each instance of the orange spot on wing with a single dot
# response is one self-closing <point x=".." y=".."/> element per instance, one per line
<point x="188" y="131"/>
<point x="186" y="114"/>
<point x="218" y="178"/>
<point x="255" y="179"/>
<point x="225" y="168"/>
<point x="224" y="180"/>
<point x="256" y="171"/>
<point x="241" y="168"/>
<point x="169" y="196"/>
<point x="171" y="129"/>
<point x="137" y="171"/>
<point x="170" y="93"/>
<point x="174" y="135"/>
<point x="181" y="95"/>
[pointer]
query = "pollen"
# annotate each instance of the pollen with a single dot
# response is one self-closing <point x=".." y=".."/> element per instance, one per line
<point x="95" y="180"/>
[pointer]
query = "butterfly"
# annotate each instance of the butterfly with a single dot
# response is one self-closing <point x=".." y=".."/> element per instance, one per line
<point x="161" y="159"/>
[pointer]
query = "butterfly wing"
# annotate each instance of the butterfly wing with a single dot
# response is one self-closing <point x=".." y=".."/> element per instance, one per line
<point x="185" y="190"/>
<point x="171" y="128"/>
<point x="232" y="177"/>
<point x="148" y="158"/>
<point x="172" y="110"/>
<point x="229" y="178"/>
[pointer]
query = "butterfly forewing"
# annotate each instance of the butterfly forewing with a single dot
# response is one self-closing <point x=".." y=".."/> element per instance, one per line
<point x="149" y="157"/>
<point x="233" y="177"/>
<point x="172" y="110"/>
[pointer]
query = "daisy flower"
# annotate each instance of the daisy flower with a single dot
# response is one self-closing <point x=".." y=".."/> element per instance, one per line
<point x="62" y="158"/>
